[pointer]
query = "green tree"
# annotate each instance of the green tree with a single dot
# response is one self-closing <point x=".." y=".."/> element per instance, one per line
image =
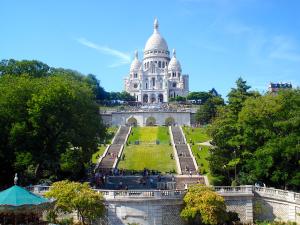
<point x="202" y="95"/>
<point x="225" y="131"/>
<point x="42" y="119"/>
<point x="203" y="206"/>
<point x="270" y="128"/>
<point x="257" y="139"/>
<point x="208" y="110"/>
<point x="73" y="196"/>
<point x="31" y="68"/>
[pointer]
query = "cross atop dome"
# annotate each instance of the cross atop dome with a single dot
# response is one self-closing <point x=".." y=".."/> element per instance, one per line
<point x="136" y="54"/>
<point x="174" y="52"/>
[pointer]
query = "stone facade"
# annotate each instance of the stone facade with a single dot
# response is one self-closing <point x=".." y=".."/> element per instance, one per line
<point x="163" y="207"/>
<point x="157" y="78"/>
<point x="144" y="212"/>
<point x="123" y="118"/>
<point x="153" y="207"/>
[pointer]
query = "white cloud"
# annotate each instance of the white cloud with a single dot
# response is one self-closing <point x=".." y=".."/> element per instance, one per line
<point x="123" y="58"/>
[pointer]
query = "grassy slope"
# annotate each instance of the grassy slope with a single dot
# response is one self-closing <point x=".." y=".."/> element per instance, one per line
<point x="151" y="156"/>
<point x="197" y="135"/>
<point x="149" y="134"/>
<point x="111" y="133"/>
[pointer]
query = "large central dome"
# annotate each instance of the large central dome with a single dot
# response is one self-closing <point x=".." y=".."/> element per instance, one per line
<point x="156" y="41"/>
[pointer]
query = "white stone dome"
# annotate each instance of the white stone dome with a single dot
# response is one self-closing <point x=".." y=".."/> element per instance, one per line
<point x="174" y="64"/>
<point x="136" y="64"/>
<point x="156" y="41"/>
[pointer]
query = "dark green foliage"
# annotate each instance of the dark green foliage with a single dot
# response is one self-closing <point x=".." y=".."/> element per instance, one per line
<point x="202" y="95"/>
<point x="208" y="110"/>
<point x="49" y="122"/>
<point x="258" y="138"/>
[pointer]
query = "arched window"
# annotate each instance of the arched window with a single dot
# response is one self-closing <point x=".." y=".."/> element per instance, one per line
<point x="146" y="85"/>
<point x="135" y="75"/>
<point x="163" y="64"/>
<point x="174" y="84"/>
<point x="159" y="64"/>
<point x="153" y="81"/>
<point x="147" y="64"/>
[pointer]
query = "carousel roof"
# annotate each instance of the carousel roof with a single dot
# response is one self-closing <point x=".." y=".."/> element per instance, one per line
<point x="18" y="196"/>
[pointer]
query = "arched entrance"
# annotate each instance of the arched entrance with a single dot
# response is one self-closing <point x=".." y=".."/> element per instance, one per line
<point x="153" y="98"/>
<point x="170" y="121"/>
<point x="132" y="121"/>
<point x="145" y="98"/>
<point x="160" y="98"/>
<point x="151" y="121"/>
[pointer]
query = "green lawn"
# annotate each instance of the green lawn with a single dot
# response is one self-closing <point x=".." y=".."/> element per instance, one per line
<point x="110" y="134"/>
<point x="147" y="154"/>
<point x="197" y="135"/>
<point x="149" y="134"/>
<point x="201" y="159"/>
<point x="98" y="154"/>
<point x="153" y="157"/>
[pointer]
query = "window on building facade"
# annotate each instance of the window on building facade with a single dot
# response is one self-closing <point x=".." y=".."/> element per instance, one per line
<point x="159" y="64"/>
<point x="163" y="64"/>
<point x="135" y="75"/>
<point x="173" y="74"/>
<point x="174" y="84"/>
<point x="135" y="85"/>
<point x="146" y="85"/>
<point x="153" y="81"/>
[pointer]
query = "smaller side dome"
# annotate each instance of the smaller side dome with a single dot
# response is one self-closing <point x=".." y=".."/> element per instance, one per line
<point x="136" y="64"/>
<point x="174" y="64"/>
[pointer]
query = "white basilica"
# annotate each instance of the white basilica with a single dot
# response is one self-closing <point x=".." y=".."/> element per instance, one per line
<point x="157" y="78"/>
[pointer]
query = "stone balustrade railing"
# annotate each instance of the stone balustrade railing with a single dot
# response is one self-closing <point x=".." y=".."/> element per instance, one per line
<point x="148" y="194"/>
<point x="277" y="194"/>
<point x="222" y="190"/>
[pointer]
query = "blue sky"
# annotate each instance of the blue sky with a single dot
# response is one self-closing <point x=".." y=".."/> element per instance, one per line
<point x="216" y="41"/>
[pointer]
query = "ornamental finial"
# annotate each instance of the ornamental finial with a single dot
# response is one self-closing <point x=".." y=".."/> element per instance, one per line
<point x="155" y="25"/>
<point x="16" y="179"/>
<point x="136" y="54"/>
<point x="174" y="52"/>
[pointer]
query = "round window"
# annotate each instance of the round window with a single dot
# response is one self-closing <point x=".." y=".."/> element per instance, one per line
<point x="135" y="85"/>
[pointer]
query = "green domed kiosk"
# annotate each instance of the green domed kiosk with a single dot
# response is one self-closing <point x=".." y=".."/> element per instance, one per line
<point x="20" y="206"/>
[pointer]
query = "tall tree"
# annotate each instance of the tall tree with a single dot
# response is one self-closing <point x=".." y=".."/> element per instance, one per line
<point x="50" y="125"/>
<point x="32" y="68"/>
<point x="225" y="133"/>
<point x="208" y="110"/>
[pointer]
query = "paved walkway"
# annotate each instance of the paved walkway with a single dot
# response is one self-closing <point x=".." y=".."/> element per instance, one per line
<point x="149" y="182"/>
<point x="185" y="159"/>
<point x="107" y="162"/>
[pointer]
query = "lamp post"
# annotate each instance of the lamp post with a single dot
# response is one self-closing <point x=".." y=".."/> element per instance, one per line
<point x="235" y="165"/>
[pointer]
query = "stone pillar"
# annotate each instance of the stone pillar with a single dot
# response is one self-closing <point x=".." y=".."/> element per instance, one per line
<point x="292" y="207"/>
<point x="249" y="210"/>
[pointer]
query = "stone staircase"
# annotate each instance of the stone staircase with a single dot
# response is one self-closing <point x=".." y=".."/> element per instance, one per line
<point x="108" y="161"/>
<point x="186" y="162"/>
